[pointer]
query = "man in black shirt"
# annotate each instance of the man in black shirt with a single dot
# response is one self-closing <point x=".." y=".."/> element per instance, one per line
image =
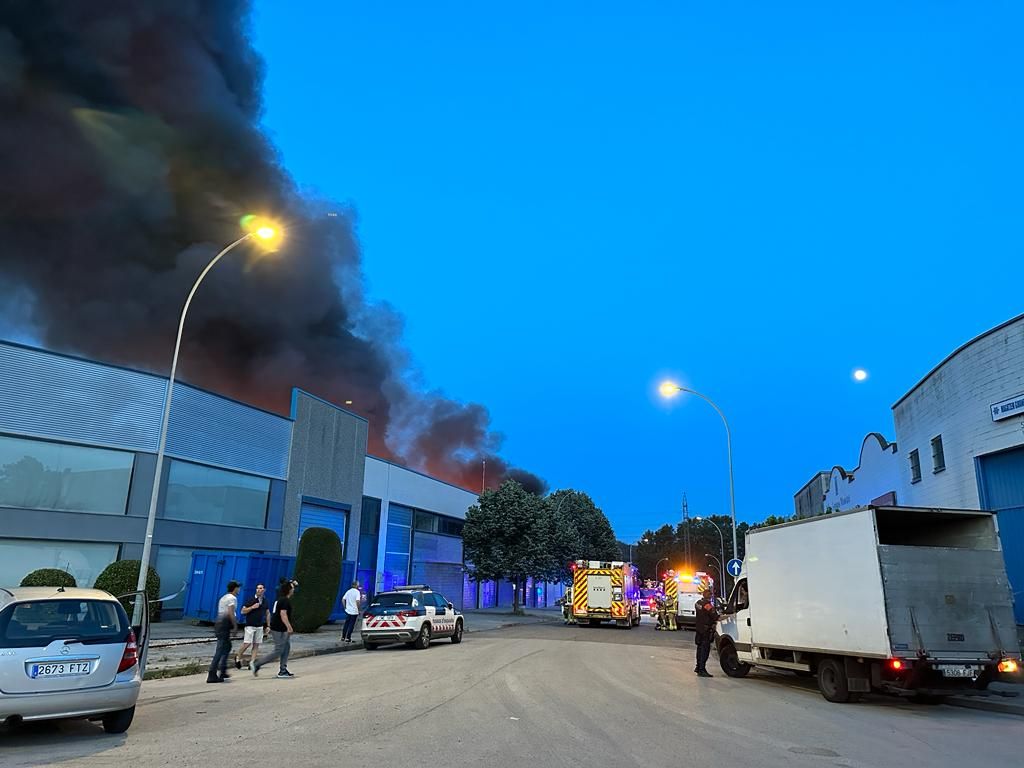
<point x="257" y="618"/>
<point x="704" y="631"/>
<point x="280" y="632"/>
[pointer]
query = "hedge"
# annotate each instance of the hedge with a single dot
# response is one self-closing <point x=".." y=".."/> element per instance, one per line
<point x="49" y="577"/>
<point x="318" y="571"/>
<point x="121" y="577"/>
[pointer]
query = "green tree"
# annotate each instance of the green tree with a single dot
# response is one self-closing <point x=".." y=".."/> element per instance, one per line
<point x="49" y="577"/>
<point x="318" y="571"/>
<point x="507" y="534"/>
<point x="121" y="577"/>
<point x="584" y="532"/>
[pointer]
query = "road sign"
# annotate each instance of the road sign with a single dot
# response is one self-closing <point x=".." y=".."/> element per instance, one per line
<point x="733" y="567"/>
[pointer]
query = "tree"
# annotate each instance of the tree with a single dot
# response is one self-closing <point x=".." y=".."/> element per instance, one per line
<point x="122" y="576"/>
<point x="318" y="571"/>
<point x="49" y="577"/>
<point x="507" y="534"/>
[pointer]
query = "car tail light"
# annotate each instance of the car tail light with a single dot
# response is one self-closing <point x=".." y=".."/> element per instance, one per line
<point x="1009" y="665"/>
<point x="130" y="657"/>
<point x="409" y="614"/>
<point x="368" y="615"/>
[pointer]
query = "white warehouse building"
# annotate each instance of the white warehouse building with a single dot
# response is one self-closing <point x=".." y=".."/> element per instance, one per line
<point x="959" y="442"/>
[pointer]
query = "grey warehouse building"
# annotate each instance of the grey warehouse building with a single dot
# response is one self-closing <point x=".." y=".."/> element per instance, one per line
<point x="78" y="442"/>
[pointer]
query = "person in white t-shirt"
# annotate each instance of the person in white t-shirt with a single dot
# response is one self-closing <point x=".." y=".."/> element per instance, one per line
<point x="222" y="628"/>
<point x="351" y="601"/>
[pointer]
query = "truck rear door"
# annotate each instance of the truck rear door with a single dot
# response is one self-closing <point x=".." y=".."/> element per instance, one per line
<point x="945" y="585"/>
<point x="599" y="591"/>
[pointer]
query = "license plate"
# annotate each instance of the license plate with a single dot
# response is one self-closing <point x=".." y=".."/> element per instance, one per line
<point x="60" y="669"/>
<point x="950" y="671"/>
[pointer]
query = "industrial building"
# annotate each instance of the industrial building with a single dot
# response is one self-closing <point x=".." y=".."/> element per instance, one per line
<point x="78" y="443"/>
<point x="959" y="442"/>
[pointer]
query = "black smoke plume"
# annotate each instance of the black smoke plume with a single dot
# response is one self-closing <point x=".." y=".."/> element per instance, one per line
<point x="129" y="153"/>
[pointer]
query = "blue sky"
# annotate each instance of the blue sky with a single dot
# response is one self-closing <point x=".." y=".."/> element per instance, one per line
<point x="569" y="201"/>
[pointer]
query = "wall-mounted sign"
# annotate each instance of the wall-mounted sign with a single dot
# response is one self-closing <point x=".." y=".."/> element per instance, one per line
<point x="1007" y="408"/>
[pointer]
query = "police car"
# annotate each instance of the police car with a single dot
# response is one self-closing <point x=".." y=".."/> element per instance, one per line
<point x="413" y="615"/>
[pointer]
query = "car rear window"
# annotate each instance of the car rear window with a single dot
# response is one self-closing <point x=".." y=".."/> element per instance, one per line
<point x="39" y="623"/>
<point x="393" y="600"/>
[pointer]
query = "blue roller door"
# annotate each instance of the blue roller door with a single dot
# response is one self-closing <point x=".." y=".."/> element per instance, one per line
<point x="1001" y="486"/>
<point x="313" y="515"/>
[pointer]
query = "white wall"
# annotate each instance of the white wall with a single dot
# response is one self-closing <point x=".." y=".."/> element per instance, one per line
<point x="877" y="473"/>
<point x="954" y="401"/>
<point x="393" y="483"/>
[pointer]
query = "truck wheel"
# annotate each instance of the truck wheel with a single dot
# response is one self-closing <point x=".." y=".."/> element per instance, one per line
<point x="730" y="661"/>
<point x="832" y="682"/>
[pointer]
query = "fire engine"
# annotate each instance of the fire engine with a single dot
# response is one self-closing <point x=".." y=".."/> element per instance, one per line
<point x="605" y="591"/>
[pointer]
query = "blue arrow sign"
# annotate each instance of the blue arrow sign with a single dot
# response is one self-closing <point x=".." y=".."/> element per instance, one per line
<point x="733" y="567"/>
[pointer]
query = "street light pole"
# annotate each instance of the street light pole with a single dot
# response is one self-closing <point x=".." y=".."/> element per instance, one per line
<point x="721" y="541"/>
<point x="721" y="571"/>
<point x="668" y="389"/>
<point x="658" y="567"/>
<point x="147" y="544"/>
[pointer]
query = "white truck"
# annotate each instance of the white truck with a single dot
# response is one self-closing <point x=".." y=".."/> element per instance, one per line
<point x="903" y="600"/>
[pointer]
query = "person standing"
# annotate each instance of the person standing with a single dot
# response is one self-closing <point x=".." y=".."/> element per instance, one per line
<point x="351" y="600"/>
<point x="704" y="631"/>
<point x="257" y="619"/>
<point x="222" y="628"/>
<point x="280" y="632"/>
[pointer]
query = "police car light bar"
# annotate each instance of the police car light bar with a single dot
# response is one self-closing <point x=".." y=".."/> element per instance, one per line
<point x="411" y="587"/>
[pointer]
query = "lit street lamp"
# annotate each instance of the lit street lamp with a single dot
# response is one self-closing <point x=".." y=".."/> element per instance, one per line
<point x="642" y="541"/>
<point x="263" y="232"/>
<point x="671" y="389"/>
<point x="657" y="568"/>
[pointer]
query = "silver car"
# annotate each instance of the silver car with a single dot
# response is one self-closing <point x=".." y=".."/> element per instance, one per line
<point x="70" y="653"/>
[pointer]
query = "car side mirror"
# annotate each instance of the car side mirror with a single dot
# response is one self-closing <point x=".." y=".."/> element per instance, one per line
<point x="451" y="607"/>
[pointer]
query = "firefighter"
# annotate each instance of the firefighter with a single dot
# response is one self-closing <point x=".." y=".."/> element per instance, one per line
<point x="671" y="608"/>
<point x="567" y="615"/>
<point x="662" y="618"/>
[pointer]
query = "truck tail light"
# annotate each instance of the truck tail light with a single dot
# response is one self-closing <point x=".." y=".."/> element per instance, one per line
<point x="130" y="657"/>
<point x="1009" y="665"/>
<point x="895" y="665"/>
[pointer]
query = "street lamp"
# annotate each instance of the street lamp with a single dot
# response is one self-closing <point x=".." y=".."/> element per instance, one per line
<point x="721" y="541"/>
<point x="721" y="570"/>
<point x="671" y="389"/>
<point x="657" y="568"/>
<point x="261" y="231"/>
<point x="642" y="541"/>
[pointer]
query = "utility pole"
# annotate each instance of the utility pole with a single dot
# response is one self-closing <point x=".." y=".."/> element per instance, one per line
<point x="483" y="478"/>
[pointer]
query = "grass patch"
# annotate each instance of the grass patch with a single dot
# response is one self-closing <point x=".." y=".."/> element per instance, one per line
<point x="192" y="668"/>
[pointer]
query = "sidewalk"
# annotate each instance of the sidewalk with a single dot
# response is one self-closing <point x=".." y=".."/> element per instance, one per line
<point x="1007" y="705"/>
<point x="183" y="648"/>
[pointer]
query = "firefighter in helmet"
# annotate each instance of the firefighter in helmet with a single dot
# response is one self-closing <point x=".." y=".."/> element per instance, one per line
<point x="662" y="618"/>
<point x="671" y="609"/>
<point x="567" y="615"/>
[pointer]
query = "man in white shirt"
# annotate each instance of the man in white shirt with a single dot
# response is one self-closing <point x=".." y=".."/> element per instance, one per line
<point x="351" y="600"/>
<point x="222" y="628"/>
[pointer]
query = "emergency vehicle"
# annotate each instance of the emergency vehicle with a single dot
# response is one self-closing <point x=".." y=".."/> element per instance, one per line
<point x="413" y="615"/>
<point x="690" y="588"/>
<point x="605" y="591"/>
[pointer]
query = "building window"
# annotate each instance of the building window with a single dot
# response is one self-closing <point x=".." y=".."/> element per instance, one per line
<point x="83" y="560"/>
<point x="938" y="455"/>
<point x="915" y="466"/>
<point x="450" y="527"/>
<point x="426" y="522"/>
<point x="67" y="478"/>
<point x="208" y="495"/>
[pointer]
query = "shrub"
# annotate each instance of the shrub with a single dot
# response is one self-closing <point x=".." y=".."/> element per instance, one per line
<point x="318" y="571"/>
<point x="120" y="578"/>
<point x="49" y="577"/>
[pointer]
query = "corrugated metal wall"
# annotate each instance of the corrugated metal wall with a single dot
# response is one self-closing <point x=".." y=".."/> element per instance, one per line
<point x="62" y="398"/>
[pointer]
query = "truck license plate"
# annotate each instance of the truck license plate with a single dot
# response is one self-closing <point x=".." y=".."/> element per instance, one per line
<point x="953" y="671"/>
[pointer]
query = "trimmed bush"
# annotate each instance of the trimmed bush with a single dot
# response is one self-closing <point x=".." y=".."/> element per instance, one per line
<point x="121" y="576"/>
<point x="318" y="571"/>
<point x="49" y="577"/>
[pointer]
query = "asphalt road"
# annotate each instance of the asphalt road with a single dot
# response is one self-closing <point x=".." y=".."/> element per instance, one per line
<point x="536" y="696"/>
